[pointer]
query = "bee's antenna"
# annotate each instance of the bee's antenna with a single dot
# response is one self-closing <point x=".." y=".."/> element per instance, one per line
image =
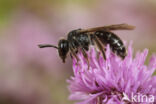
<point x="46" y="45"/>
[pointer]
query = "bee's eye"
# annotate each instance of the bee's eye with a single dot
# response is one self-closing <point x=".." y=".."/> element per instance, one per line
<point x="63" y="48"/>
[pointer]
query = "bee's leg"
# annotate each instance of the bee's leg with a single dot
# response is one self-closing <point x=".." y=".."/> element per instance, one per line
<point x="85" y="56"/>
<point x="100" y="46"/>
<point x="73" y="54"/>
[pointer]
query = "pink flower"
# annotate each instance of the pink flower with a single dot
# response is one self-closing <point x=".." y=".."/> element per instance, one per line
<point x="108" y="81"/>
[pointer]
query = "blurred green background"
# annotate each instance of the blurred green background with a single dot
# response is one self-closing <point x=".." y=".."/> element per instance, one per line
<point x="29" y="75"/>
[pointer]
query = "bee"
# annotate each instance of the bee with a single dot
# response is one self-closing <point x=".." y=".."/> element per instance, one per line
<point x="81" y="39"/>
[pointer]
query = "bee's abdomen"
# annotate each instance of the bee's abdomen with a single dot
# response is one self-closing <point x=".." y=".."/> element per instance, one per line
<point x="113" y="40"/>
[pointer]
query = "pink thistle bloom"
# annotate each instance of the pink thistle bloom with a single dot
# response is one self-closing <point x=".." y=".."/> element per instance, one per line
<point x="113" y="81"/>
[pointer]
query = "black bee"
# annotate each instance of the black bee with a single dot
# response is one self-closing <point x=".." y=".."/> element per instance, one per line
<point x="81" y="39"/>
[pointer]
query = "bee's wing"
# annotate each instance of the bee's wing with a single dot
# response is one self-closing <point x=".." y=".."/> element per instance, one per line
<point x="109" y="28"/>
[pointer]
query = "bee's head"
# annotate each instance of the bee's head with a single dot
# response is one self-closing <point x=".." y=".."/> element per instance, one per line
<point x="63" y="48"/>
